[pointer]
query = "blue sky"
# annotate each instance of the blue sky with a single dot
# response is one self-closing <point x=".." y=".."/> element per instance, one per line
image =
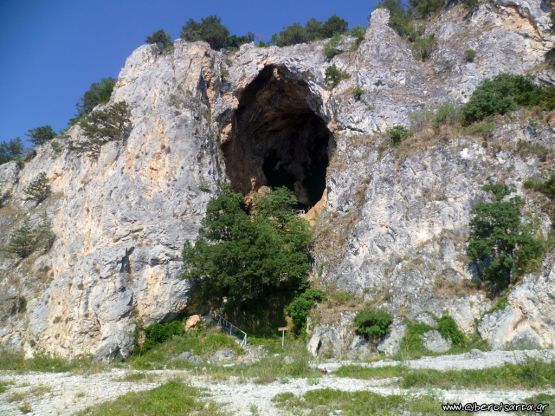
<point x="52" y="50"/>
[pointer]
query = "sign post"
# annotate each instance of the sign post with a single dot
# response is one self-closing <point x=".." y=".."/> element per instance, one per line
<point x="283" y="329"/>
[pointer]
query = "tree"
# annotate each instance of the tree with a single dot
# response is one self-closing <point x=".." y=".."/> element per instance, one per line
<point x="333" y="25"/>
<point x="210" y="29"/>
<point x="300" y="307"/>
<point x="27" y="239"/>
<point x="98" y="93"/>
<point x="161" y="39"/>
<point x="11" y="150"/>
<point x="250" y="259"/>
<point x="39" y="189"/>
<point x="424" y="8"/>
<point x="102" y="126"/>
<point x="41" y="135"/>
<point x="291" y="35"/>
<point x="501" y="245"/>
<point x="373" y="323"/>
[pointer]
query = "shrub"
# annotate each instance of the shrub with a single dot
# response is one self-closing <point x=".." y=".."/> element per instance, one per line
<point x="158" y="333"/>
<point x="424" y="8"/>
<point x="357" y="93"/>
<point x="469" y="55"/>
<point x="26" y="239"/>
<point x="448" y="328"/>
<point x="331" y="49"/>
<point x="398" y="133"/>
<point x="358" y="32"/>
<point x="546" y="186"/>
<point x="503" y="94"/>
<point x="41" y="135"/>
<point x="423" y="46"/>
<point x="334" y="76"/>
<point x="300" y="307"/>
<point x="210" y="29"/>
<point x="312" y="30"/>
<point x="252" y="261"/>
<point x="39" y="189"/>
<point x="500" y="245"/>
<point x="11" y="150"/>
<point x="373" y="323"/>
<point x="98" y="93"/>
<point x="102" y="126"/>
<point x="161" y="39"/>
<point x="445" y="114"/>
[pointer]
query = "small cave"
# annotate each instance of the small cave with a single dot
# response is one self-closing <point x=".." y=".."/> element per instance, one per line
<point x="278" y="139"/>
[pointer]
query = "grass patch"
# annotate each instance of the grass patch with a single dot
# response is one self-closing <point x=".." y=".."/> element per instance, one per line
<point x="411" y="345"/>
<point x="546" y="399"/>
<point x="329" y="401"/>
<point x="43" y="362"/>
<point x="172" y="398"/>
<point x="17" y="396"/>
<point x="135" y="377"/>
<point x="530" y="374"/>
<point x="200" y="341"/>
<point x="25" y="408"/>
<point x="4" y="386"/>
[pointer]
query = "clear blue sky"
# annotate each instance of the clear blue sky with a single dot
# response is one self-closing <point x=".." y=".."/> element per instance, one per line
<point x="52" y="50"/>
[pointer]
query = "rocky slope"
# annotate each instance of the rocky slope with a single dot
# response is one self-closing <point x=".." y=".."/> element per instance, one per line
<point x="395" y="221"/>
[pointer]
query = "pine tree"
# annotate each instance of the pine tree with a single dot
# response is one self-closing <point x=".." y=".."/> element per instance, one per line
<point x="39" y="189"/>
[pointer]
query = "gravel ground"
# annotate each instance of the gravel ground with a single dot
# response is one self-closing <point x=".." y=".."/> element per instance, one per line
<point x="69" y="393"/>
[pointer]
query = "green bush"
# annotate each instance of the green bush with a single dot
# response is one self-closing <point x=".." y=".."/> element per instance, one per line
<point x="448" y="328"/>
<point x="398" y="133"/>
<point x="546" y="186"/>
<point x="300" y="307"/>
<point x="41" y="135"/>
<point x="503" y="94"/>
<point x="160" y="332"/>
<point x="445" y="114"/>
<point x="39" y="189"/>
<point x="331" y="49"/>
<point x="424" y="8"/>
<point x="358" y="32"/>
<point x="423" y="46"/>
<point x="469" y="55"/>
<point x="161" y="39"/>
<point x="102" y="126"/>
<point x="11" y="150"/>
<point x="210" y="29"/>
<point x="334" y="76"/>
<point x="253" y="260"/>
<point x="357" y="93"/>
<point x="501" y="246"/>
<point x="374" y="323"/>
<point x="98" y="93"/>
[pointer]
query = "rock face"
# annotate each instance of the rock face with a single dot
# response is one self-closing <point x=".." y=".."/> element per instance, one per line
<point x="433" y="341"/>
<point x="395" y="221"/>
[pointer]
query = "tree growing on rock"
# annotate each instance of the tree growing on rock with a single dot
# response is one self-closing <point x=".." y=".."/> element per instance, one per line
<point x="11" y="150"/>
<point x="39" y="189"/>
<point x="41" y="135"/>
<point x="28" y="239"/>
<point x="161" y="39"/>
<point x="111" y="123"/>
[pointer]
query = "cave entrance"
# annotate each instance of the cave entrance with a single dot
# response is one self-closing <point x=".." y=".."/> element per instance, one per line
<point x="277" y="138"/>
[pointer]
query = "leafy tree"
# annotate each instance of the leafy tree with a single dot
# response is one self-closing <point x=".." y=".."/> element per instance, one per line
<point x="102" y="126"/>
<point x="500" y="244"/>
<point x="373" y="323"/>
<point x="300" y="307"/>
<point x="210" y="29"/>
<point x="398" y="133"/>
<point x="41" y="135"/>
<point x="249" y="260"/>
<point x="291" y="35"/>
<point x="161" y="39"/>
<point x="11" y="150"/>
<point x="235" y="41"/>
<point x="334" y="25"/>
<point x="98" y="93"/>
<point x="39" y="189"/>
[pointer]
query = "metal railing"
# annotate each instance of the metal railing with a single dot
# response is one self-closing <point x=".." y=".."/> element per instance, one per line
<point x="231" y="329"/>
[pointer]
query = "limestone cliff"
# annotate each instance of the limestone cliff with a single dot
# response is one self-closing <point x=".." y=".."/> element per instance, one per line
<point x="395" y="220"/>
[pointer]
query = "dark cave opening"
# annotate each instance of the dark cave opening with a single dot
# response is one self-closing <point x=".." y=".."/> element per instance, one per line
<point x="278" y="138"/>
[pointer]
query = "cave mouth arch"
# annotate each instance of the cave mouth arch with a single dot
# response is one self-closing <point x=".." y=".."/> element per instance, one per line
<point x="278" y="139"/>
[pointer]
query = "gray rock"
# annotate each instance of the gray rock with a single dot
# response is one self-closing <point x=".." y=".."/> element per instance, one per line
<point x="189" y="356"/>
<point x="225" y="354"/>
<point x="392" y="341"/>
<point x="435" y="342"/>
